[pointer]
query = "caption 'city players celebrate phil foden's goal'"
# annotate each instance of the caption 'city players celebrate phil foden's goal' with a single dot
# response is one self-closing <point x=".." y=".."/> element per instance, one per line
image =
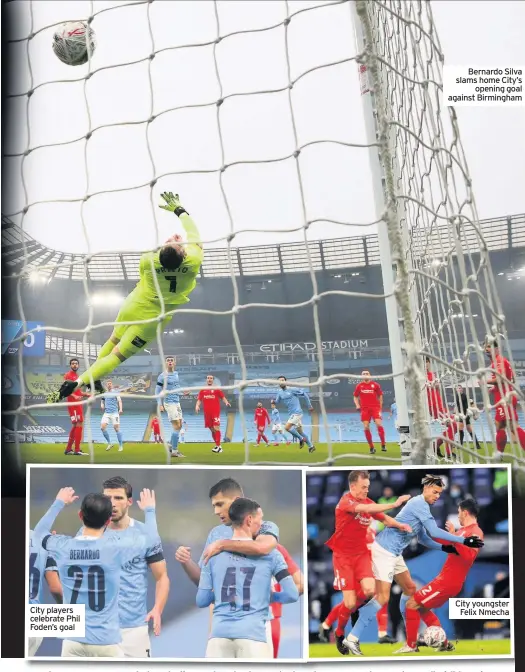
<point x="172" y="271"/>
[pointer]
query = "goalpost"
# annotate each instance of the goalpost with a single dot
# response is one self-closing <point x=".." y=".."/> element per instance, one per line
<point x="439" y="288"/>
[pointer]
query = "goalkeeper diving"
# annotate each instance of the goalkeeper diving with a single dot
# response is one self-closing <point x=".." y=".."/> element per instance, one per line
<point x="175" y="266"/>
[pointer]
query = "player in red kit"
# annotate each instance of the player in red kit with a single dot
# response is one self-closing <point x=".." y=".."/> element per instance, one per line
<point x="449" y="582"/>
<point x="506" y="410"/>
<point x="350" y="553"/>
<point x="277" y="608"/>
<point x="76" y="411"/>
<point x="368" y="398"/>
<point x="436" y="407"/>
<point x="155" y="428"/>
<point x="261" y="419"/>
<point x="210" y="398"/>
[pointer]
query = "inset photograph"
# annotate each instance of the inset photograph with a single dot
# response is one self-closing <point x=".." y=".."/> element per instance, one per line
<point x="409" y="563"/>
<point x="167" y="564"/>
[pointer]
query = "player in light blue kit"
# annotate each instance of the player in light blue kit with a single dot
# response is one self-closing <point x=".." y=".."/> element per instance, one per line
<point x="168" y="381"/>
<point x="393" y="414"/>
<point x="290" y="396"/>
<point x="41" y="565"/>
<point x="90" y="567"/>
<point x="240" y="588"/>
<point x="132" y="600"/>
<point x="111" y="404"/>
<point x="387" y="558"/>
<point x="277" y="427"/>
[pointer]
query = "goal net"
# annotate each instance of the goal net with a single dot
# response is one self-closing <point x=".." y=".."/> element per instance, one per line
<point x="231" y="105"/>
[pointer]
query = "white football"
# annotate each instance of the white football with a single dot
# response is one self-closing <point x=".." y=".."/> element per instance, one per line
<point x="74" y="42"/>
<point x="434" y="636"/>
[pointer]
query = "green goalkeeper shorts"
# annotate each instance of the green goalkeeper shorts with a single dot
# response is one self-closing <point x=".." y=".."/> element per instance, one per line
<point x="133" y="337"/>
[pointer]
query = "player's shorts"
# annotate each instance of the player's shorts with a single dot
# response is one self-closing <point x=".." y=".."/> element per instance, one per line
<point x="72" y="649"/>
<point x="219" y="647"/>
<point x="211" y="421"/>
<point x="133" y="337"/>
<point x="295" y="419"/>
<point x="113" y="418"/>
<point x="435" y="594"/>
<point x="33" y="645"/>
<point x="507" y="412"/>
<point x="386" y="565"/>
<point x="277" y="428"/>
<point x="174" y="412"/>
<point x="136" y="642"/>
<point x="261" y="429"/>
<point x="369" y="414"/>
<point x="76" y="413"/>
<point x="350" y="570"/>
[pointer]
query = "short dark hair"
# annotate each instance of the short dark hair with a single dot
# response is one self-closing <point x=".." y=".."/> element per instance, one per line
<point x="74" y="359"/>
<point x="432" y="479"/>
<point x="169" y="357"/>
<point x="96" y="510"/>
<point x="354" y="476"/>
<point x="116" y="483"/>
<point x="226" y="486"/>
<point x="241" y="508"/>
<point x="283" y="377"/>
<point x="171" y="257"/>
<point x="470" y="506"/>
<point x="427" y="360"/>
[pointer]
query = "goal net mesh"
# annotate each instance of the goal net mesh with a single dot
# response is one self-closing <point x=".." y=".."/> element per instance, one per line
<point x="445" y="291"/>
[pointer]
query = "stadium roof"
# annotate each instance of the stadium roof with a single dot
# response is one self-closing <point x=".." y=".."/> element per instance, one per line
<point x="337" y="254"/>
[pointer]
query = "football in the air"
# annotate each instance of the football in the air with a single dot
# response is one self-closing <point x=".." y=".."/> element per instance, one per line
<point x="434" y="636"/>
<point x="74" y="42"/>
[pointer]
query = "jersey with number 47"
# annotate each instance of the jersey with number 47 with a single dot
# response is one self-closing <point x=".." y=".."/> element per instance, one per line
<point x="175" y="286"/>
<point x="242" y="589"/>
<point x="90" y="569"/>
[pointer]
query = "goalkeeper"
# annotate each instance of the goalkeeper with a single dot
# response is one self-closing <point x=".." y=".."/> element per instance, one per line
<point x="176" y="266"/>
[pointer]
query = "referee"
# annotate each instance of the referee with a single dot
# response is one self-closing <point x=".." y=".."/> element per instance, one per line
<point x="462" y="406"/>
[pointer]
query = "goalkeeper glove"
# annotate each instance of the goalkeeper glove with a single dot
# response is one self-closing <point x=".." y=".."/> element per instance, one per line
<point x="449" y="549"/>
<point x="172" y="202"/>
<point x="473" y="542"/>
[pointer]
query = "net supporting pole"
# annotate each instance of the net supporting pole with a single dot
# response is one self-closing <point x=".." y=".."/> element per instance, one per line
<point x="385" y="253"/>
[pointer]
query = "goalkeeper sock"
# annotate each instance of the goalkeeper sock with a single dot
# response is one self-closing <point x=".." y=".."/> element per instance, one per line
<point x="368" y="436"/>
<point x="119" y="438"/>
<point x="105" y="434"/>
<point x="461" y="436"/>
<point x="101" y="368"/>
<point x="501" y="440"/>
<point x="381" y="432"/>
<point x="412" y="621"/>
<point x="174" y="440"/>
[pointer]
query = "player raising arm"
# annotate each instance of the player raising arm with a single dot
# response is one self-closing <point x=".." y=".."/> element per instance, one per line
<point x="387" y="549"/>
<point x="210" y="398"/>
<point x="294" y="425"/>
<point x="90" y="567"/>
<point x="172" y="270"/>
<point x="239" y="627"/>
<point x="368" y="398"/>
<point x="169" y="382"/>
<point x="111" y="404"/>
<point x="261" y="420"/>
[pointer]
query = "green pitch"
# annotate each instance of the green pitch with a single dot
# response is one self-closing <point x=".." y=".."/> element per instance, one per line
<point x="467" y="647"/>
<point x="200" y="453"/>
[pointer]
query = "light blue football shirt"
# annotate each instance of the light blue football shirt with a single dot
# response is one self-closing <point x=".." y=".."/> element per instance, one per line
<point x="276" y="417"/>
<point x="172" y="383"/>
<point x="290" y="397"/>
<point x="111" y="402"/>
<point x="40" y="562"/>
<point x="242" y="591"/>
<point x="415" y="513"/>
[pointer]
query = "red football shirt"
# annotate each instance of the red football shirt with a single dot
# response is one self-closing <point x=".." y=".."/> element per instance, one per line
<point x="261" y="417"/>
<point x="155" y="426"/>
<point x="435" y="401"/>
<point x="456" y="567"/>
<point x="368" y="394"/>
<point x="277" y="607"/>
<point x="211" y="401"/>
<point x="77" y="394"/>
<point x="502" y="366"/>
<point x="351" y="528"/>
